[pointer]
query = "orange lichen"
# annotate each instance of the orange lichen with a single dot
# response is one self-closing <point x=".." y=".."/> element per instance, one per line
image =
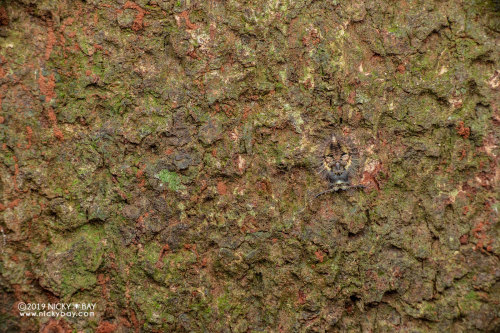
<point x="106" y="327"/>
<point x="221" y="188"/>
<point x="53" y="119"/>
<point x="185" y="15"/>
<point x="301" y="297"/>
<point x="51" y="115"/>
<point x="47" y="85"/>
<point x="29" y="134"/>
<point x="319" y="255"/>
<point x="140" y="220"/>
<point x="102" y="281"/>
<point x="483" y="243"/>
<point x="135" y="322"/>
<point x="462" y="130"/>
<point x="163" y="252"/>
<point x="58" y="133"/>
<point x="352" y="97"/>
<point x="138" y="21"/>
<point x="140" y="176"/>
<point x="464" y="239"/>
<point x="11" y="204"/>
<point x="51" y="41"/>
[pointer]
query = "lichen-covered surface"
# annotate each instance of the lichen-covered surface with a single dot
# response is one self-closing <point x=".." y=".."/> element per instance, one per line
<point x="158" y="158"/>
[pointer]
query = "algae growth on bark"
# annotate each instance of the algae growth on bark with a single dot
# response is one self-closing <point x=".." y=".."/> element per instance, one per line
<point x="157" y="157"/>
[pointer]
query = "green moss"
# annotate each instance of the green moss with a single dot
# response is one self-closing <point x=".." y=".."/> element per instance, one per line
<point x="471" y="296"/>
<point x="223" y="303"/>
<point x="169" y="178"/>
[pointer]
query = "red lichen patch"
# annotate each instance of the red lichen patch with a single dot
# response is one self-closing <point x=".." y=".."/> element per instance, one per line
<point x="51" y="41"/>
<point x="192" y="54"/>
<point x="185" y="15"/>
<point x="139" y="18"/>
<point x="319" y="255"/>
<point x="58" y="133"/>
<point x="246" y="112"/>
<point x="106" y="327"/>
<point x="212" y="30"/>
<point x="140" y="176"/>
<point x="51" y="115"/>
<point x="221" y="188"/>
<point x="462" y="154"/>
<point x="462" y="130"/>
<point x="29" y="134"/>
<point x="102" y="280"/>
<point x="301" y="297"/>
<point x="401" y="68"/>
<point x="163" y="252"/>
<point x="265" y="186"/>
<point x="125" y="322"/>
<point x="135" y="322"/>
<point x="140" y="220"/>
<point x="192" y="247"/>
<point x="4" y="18"/>
<point x="216" y="108"/>
<point x="227" y="110"/>
<point x="464" y="239"/>
<point x="2" y="120"/>
<point x="483" y="243"/>
<point x="47" y="85"/>
<point x="53" y="120"/>
<point x="66" y="22"/>
<point x="204" y="262"/>
<point x="352" y="97"/>
<point x="13" y="203"/>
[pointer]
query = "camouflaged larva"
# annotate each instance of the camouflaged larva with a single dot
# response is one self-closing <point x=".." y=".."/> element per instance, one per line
<point x="339" y="161"/>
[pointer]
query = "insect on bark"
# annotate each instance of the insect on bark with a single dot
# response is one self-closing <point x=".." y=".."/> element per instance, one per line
<point x="339" y="161"/>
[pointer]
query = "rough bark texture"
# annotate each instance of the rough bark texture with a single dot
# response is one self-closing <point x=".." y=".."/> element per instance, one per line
<point x="159" y="158"/>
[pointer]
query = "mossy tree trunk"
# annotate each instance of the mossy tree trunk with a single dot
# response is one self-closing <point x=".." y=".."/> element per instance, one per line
<point x="159" y="159"/>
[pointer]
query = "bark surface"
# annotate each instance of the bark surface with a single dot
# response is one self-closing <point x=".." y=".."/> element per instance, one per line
<point x="160" y="158"/>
